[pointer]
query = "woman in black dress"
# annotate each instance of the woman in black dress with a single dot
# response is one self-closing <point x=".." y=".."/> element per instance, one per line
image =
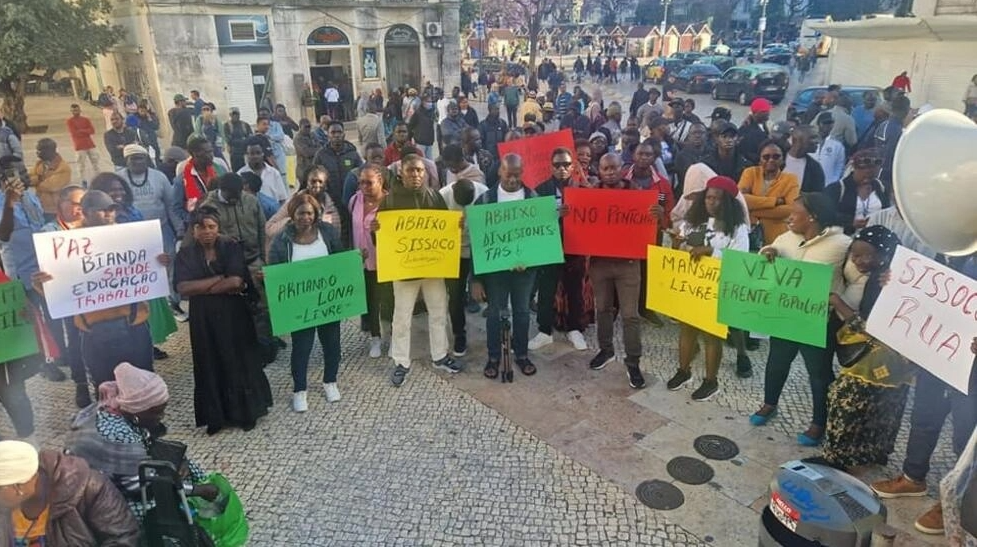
<point x="230" y="387"/>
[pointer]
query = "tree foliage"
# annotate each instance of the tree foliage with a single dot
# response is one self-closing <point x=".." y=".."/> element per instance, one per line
<point x="649" y="13"/>
<point x="45" y="36"/>
<point x="469" y="12"/>
<point x="612" y="12"/>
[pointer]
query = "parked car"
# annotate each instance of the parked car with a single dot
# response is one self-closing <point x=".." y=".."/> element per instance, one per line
<point x="745" y="83"/>
<point x="805" y="97"/>
<point x="778" y="55"/>
<point x="657" y="69"/>
<point x="688" y="57"/>
<point x="721" y="62"/>
<point x="743" y="48"/>
<point x="695" y="78"/>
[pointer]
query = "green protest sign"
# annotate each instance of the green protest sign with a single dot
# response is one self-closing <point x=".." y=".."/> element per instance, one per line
<point x="515" y="233"/>
<point x="16" y="328"/>
<point x="785" y="298"/>
<point x="315" y="292"/>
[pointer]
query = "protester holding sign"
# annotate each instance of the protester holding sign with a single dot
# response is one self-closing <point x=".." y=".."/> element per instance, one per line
<point x="17" y="336"/>
<point x="714" y="222"/>
<point x="865" y="402"/>
<point x="410" y="193"/>
<point x="315" y="185"/>
<point x="364" y="207"/>
<point x="108" y="336"/>
<point x="812" y="237"/>
<point x="230" y="387"/>
<point x="769" y="191"/>
<point x="514" y="286"/>
<point x="572" y="272"/>
<point x="617" y="280"/>
<point x="306" y="237"/>
<point x="933" y="400"/>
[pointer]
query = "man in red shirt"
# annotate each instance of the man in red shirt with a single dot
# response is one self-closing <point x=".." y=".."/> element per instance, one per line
<point x="902" y="83"/>
<point x="400" y="137"/>
<point x="81" y="130"/>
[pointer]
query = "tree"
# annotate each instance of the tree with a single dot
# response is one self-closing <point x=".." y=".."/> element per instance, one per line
<point x="611" y="11"/>
<point x="649" y="13"/>
<point x="469" y="12"/>
<point x="48" y="36"/>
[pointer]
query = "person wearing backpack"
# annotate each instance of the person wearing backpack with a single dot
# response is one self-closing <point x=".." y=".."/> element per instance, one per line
<point x="512" y="98"/>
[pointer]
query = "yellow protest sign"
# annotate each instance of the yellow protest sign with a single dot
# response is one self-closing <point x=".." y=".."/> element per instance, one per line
<point x="685" y="289"/>
<point x="418" y="243"/>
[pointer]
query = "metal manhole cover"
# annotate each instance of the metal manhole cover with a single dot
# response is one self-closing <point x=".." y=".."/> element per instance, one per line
<point x="690" y="470"/>
<point x="716" y="447"/>
<point x="660" y="495"/>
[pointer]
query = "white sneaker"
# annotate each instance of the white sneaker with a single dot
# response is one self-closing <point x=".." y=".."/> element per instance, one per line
<point x="300" y="401"/>
<point x="577" y="340"/>
<point x="375" y="350"/>
<point x="539" y="341"/>
<point x="332" y="394"/>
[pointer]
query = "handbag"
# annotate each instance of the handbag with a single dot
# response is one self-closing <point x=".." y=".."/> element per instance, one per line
<point x="224" y="518"/>
<point x="866" y="358"/>
<point x="756" y="240"/>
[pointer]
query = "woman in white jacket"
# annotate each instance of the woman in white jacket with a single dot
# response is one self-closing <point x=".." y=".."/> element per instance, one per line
<point x="812" y="237"/>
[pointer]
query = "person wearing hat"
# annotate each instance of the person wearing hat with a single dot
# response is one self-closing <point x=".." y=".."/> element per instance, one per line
<point x="715" y="221"/>
<point x="781" y="132"/>
<point x="117" y="137"/>
<point x="724" y="157"/>
<point x="680" y="126"/>
<point x="110" y="335"/>
<point x="754" y="130"/>
<point x="860" y="194"/>
<point x="549" y="120"/>
<point x="49" y="175"/>
<point x="531" y="106"/>
<point x="599" y="144"/>
<point x="150" y="189"/>
<point x="800" y="159"/>
<point x="181" y="121"/>
<point x="55" y="500"/>
<point x="721" y="113"/>
<point x="236" y="132"/>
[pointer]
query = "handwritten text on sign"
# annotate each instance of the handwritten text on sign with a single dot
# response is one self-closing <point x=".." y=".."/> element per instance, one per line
<point x="612" y="223"/>
<point x="517" y="233"/>
<point x="16" y="328"/>
<point x="101" y="267"/>
<point x="929" y="314"/>
<point x="685" y="289"/>
<point x="536" y="153"/>
<point x="418" y="243"/>
<point x="784" y="298"/>
<point x="315" y="292"/>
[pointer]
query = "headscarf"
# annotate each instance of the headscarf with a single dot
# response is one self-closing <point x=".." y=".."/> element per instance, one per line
<point x="18" y="462"/>
<point x="135" y="390"/>
<point x="880" y="237"/>
<point x="696" y="178"/>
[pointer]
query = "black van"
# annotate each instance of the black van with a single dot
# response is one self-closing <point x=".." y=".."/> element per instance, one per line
<point x="745" y="83"/>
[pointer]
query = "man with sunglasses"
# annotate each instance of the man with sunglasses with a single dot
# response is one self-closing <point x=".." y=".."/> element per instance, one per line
<point x="724" y="157"/>
<point x="571" y="272"/>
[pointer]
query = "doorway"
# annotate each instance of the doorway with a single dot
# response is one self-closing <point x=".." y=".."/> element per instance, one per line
<point x="402" y="64"/>
<point x="332" y="66"/>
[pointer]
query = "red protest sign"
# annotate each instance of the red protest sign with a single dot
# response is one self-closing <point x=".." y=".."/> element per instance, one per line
<point x="613" y="223"/>
<point x="536" y="153"/>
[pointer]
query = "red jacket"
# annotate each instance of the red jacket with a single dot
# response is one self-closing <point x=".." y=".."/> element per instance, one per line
<point x="902" y="83"/>
<point x="81" y="131"/>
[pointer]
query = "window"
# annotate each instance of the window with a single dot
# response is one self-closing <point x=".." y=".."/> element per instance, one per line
<point x="241" y="31"/>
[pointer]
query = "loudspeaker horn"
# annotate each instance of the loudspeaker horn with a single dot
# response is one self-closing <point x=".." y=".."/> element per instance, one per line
<point x="935" y="180"/>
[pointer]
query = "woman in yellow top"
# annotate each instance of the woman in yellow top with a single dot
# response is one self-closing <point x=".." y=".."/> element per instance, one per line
<point x="769" y="191"/>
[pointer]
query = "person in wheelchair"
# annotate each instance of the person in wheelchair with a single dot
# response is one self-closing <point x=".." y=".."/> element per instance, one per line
<point x="55" y="500"/>
<point x="124" y="428"/>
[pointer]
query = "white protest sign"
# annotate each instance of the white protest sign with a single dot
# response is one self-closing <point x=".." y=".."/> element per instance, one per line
<point x="101" y="267"/>
<point x="929" y="314"/>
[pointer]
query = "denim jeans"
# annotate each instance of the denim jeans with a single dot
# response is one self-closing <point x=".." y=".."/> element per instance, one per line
<point x="502" y="287"/>
<point x="819" y="371"/>
<point x="932" y="401"/>
<point x="330" y="341"/>
<point x="617" y="280"/>
<point x="108" y="343"/>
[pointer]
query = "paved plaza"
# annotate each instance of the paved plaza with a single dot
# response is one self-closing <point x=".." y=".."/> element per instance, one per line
<point x="553" y="459"/>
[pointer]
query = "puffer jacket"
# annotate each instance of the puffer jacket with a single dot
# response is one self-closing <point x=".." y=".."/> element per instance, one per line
<point x="85" y="509"/>
<point x="281" y="249"/>
<point x="242" y="221"/>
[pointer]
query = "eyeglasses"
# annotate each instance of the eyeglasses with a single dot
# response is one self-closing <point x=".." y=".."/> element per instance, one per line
<point x="562" y="164"/>
<point x="770" y="157"/>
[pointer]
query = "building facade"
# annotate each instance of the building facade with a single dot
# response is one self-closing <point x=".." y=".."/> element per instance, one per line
<point x="244" y="55"/>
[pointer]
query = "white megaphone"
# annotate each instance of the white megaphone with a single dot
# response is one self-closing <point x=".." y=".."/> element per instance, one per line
<point x="935" y="180"/>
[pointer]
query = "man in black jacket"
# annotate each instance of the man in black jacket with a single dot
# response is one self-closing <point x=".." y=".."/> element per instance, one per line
<point x="492" y="129"/>
<point x="809" y="173"/>
<point x="640" y="97"/>
<point x="411" y="192"/>
<point x="513" y="285"/>
<point x="422" y="126"/>
<point x="339" y="157"/>
<point x="724" y="158"/>
<point x="754" y="130"/>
